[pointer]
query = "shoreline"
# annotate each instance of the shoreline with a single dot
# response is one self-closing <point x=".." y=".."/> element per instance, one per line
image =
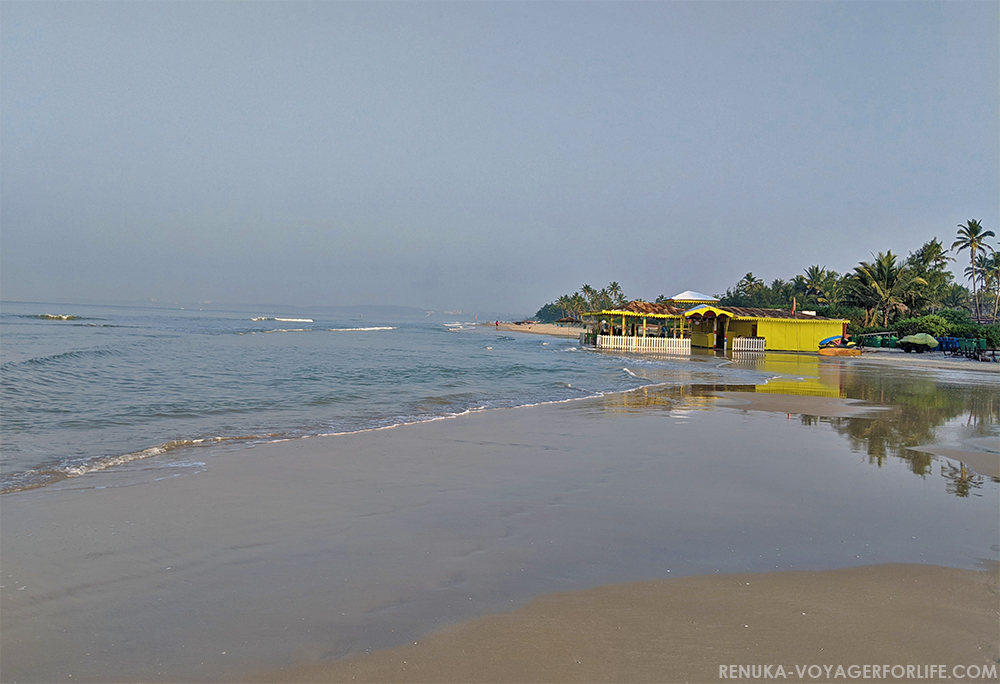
<point x="895" y="357"/>
<point x="553" y="329"/>
<point x="311" y="550"/>
<point x="685" y="629"/>
<point x="936" y="360"/>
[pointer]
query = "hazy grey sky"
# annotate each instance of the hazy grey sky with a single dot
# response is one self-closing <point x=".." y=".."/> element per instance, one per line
<point x="488" y="156"/>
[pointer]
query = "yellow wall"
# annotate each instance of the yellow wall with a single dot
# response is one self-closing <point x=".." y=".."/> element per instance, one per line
<point x="700" y="339"/>
<point x="781" y="334"/>
<point x="739" y="329"/>
<point x="796" y="335"/>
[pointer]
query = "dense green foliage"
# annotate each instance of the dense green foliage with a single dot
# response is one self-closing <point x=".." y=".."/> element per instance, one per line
<point x="586" y="299"/>
<point x="931" y="324"/>
<point x="915" y="294"/>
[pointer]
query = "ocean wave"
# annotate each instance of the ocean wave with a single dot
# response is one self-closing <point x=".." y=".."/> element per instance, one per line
<point x="31" y="479"/>
<point x="376" y="327"/>
<point x="65" y="356"/>
<point x="53" y="317"/>
<point x="283" y="320"/>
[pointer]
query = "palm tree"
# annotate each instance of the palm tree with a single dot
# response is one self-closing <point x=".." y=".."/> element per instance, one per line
<point x="971" y="236"/>
<point x="577" y="305"/>
<point x="955" y="296"/>
<point x="615" y="292"/>
<point x="563" y="304"/>
<point x="977" y="271"/>
<point x="820" y="283"/>
<point x="930" y="262"/>
<point x="991" y="279"/>
<point x="749" y="284"/>
<point x="882" y="286"/>
<point x="814" y="280"/>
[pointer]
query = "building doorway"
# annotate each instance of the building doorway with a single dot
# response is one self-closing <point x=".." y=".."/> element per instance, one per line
<point x="721" y="325"/>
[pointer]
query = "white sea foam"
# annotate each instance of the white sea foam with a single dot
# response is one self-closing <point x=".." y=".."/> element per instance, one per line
<point x="376" y="327"/>
<point x="283" y="320"/>
<point x="122" y="459"/>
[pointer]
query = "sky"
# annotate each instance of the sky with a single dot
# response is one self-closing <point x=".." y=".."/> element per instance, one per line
<point x="482" y="155"/>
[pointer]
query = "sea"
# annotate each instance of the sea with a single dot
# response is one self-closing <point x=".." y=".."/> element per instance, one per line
<point x="84" y="388"/>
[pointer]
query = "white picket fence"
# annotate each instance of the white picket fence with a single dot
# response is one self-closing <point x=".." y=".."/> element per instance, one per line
<point x="664" y="345"/>
<point x="748" y="344"/>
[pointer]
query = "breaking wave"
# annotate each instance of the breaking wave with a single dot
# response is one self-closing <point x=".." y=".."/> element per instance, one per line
<point x="34" y="478"/>
<point x="283" y="320"/>
<point x="375" y="327"/>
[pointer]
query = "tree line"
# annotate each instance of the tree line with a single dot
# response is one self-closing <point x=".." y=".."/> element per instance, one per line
<point x="885" y="290"/>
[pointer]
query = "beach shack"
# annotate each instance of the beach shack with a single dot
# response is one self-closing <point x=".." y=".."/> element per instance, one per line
<point x="692" y="319"/>
<point x="639" y="327"/>
<point x="752" y="329"/>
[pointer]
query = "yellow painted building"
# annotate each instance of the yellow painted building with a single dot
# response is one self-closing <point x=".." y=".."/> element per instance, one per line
<point x="691" y="318"/>
<point x="742" y="328"/>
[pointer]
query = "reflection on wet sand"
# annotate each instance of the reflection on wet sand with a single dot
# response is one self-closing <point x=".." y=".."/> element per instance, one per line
<point x="313" y="549"/>
<point x="913" y="417"/>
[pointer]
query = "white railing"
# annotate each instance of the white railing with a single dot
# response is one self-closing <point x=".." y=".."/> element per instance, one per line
<point x="748" y="344"/>
<point x="663" y="345"/>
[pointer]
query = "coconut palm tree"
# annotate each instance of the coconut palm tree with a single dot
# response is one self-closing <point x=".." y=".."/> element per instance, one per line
<point x="820" y="283"/>
<point x="991" y="279"/>
<point x="814" y="280"/>
<point x="955" y="296"/>
<point x="749" y="284"/>
<point x="930" y="262"/>
<point x="882" y="287"/>
<point x="577" y="304"/>
<point x="617" y="295"/>
<point x="971" y="236"/>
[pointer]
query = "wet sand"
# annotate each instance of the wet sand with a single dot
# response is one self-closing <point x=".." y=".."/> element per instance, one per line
<point x="216" y="564"/>
<point x="937" y="360"/>
<point x="982" y="461"/>
<point x="683" y="630"/>
<point x="827" y="407"/>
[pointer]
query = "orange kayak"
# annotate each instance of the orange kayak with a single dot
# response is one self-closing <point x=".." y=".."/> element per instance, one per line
<point x="840" y="351"/>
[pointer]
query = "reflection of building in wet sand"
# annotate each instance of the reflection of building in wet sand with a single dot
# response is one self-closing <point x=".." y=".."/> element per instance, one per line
<point x="913" y="410"/>
<point x="796" y="374"/>
<point x="689" y="397"/>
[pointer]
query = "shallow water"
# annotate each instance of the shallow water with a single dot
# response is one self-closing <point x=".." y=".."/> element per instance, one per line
<point x="247" y="558"/>
<point x="88" y="387"/>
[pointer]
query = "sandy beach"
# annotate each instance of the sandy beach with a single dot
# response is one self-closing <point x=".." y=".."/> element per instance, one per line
<point x="647" y="536"/>
<point x="900" y="358"/>
<point x="554" y="329"/>
<point x="687" y="629"/>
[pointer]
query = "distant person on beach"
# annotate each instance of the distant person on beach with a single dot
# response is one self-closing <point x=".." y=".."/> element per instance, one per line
<point x="498" y="325"/>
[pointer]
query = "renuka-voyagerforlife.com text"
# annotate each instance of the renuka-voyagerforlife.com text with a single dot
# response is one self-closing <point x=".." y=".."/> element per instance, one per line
<point x="976" y="672"/>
